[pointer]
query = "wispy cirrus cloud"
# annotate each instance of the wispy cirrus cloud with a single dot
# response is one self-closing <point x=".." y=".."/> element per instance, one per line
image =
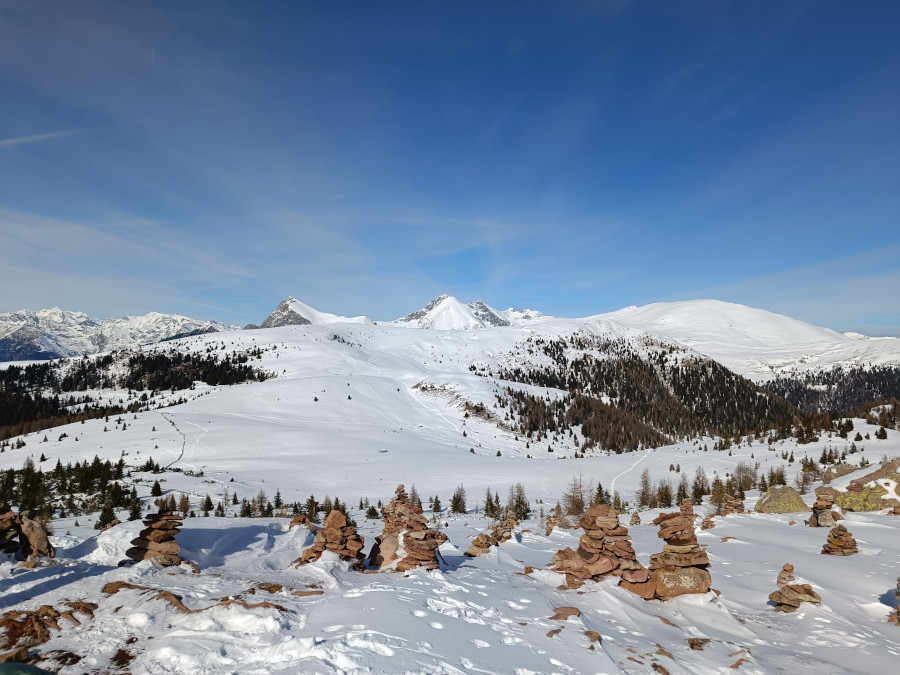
<point x="40" y="138"/>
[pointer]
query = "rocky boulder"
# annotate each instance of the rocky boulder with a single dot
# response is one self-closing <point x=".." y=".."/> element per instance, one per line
<point x="33" y="538"/>
<point x="895" y="617"/>
<point x="783" y="499"/>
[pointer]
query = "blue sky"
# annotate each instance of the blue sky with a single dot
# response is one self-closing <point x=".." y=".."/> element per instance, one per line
<point x="211" y="158"/>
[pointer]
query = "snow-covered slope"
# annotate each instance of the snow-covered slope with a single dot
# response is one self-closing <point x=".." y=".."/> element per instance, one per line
<point x="52" y="333"/>
<point x="447" y="313"/>
<point x="292" y="312"/>
<point x="754" y="342"/>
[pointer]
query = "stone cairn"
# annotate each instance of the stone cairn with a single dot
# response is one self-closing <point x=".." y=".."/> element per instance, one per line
<point x="708" y="523"/>
<point x="501" y="532"/>
<point x="635" y="519"/>
<point x="157" y="542"/>
<point x="552" y="522"/>
<point x="687" y="510"/>
<point x="9" y="530"/>
<point x="681" y="568"/>
<point x="733" y="505"/>
<point x="895" y="617"/>
<point x="789" y="596"/>
<point x="339" y="538"/>
<point x="420" y="544"/>
<point x="603" y="550"/>
<point x="822" y="511"/>
<point x="840" y="542"/>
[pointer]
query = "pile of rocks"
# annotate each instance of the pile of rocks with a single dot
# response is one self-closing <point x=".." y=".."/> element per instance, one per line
<point x="635" y="519"/>
<point x="157" y="542"/>
<point x="681" y="568"/>
<point x="501" y="532"/>
<point x="789" y="596"/>
<point x="687" y="510"/>
<point x="552" y="522"/>
<point x="840" y="542"/>
<point x="9" y="530"/>
<point x="822" y="513"/>
<point x="733" y="505"/>
<point x="420" y="544"/>
<point x="302" y="520"/>
<point x="339" y="538"/>
<point x="894" y="511"/>
<point x="895" y="617"/>
<point x="604" y="549"/>
<point x="708" y="522"/>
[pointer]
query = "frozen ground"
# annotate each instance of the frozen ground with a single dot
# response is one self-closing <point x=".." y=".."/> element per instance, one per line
<point x="390" y="410"/>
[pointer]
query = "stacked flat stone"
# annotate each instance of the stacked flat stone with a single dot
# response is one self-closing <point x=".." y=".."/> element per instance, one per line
<point x="708" y="523"/>
<point x="501" y="532"/>
<point x="479" y="546"/>
<point x="733" y="505"/>
<point x="603" y="550"/>
<point x="9" y="530"/>
<point x="420" y="544"/>
<point x="687" y="509"/>
<point x="789" y="596"/>
<point x="840" y="542"/>
<point x="157" y="542"/>
<point x="822" y="513"/>
<point x="895" y="617"/>
<point x="551" y="523"/>
<point x="681" y="568"/>
<point x="339" y="538"/>
<point x="635" y="519"/>
<point x="421" y="548"/>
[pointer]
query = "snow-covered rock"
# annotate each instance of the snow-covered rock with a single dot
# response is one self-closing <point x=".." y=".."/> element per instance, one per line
<point x="54" y="333"/>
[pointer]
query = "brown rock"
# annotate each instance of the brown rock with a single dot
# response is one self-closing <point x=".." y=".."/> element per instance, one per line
<point x="645" y="589"/>
<point x="339" y="538"/>
<point x="635" y="519"/>
<point x="33" y="538"/>
<point x="840" y="542"/>
<point x="564" y="613"/>
<point x="671" y="583"/>
<point x="698" y="643"/>
<point x="157" y="541"/>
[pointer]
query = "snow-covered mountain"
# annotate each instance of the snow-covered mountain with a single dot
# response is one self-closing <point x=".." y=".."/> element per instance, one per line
<point x="54" y="333"/>
<point x="292" y="312"/>
<point x="445" y="312"/>
<point x="754" y="342"/>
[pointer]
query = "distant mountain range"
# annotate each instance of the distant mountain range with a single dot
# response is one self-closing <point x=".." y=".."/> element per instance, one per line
<point x="54" y="333"/>
<point x="755" y="343"/>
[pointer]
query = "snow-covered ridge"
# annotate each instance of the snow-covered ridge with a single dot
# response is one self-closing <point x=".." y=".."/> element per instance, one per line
<point x="54" y="333"/>
<point x="292" y="312"/>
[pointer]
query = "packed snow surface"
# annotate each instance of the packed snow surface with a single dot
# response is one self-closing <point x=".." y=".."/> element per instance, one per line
<point x="352" y="411"/>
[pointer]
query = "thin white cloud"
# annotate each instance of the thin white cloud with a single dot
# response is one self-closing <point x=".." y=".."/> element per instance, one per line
<point x="39" y="138"/>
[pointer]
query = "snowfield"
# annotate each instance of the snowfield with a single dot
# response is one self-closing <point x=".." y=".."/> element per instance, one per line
<point x="354" y="410"/>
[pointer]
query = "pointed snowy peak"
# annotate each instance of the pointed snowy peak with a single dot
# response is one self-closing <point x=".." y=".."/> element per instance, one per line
<point x="292" y="312"/>
<point x="443" y="313"/>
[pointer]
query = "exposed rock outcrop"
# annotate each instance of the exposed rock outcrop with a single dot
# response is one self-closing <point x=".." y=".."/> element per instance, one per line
<point x="789" y="595"/>
<point x="874" y="491"/>
<point x="157" y="541"/>
<point x="338" y="537"/>
<point x="840" y="542"/>
<point x="784" y="499"/>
